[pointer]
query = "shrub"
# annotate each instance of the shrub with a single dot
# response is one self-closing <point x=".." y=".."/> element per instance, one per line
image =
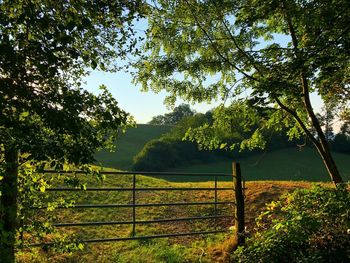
<point x="164" y="153"/>
<point x="155" y="156"/>
<point x="305" y="226"/>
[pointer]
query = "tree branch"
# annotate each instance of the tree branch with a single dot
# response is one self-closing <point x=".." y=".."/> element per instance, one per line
<point x="300" y="122"/>
<point x="216" y="48"/>
<point x="251" y="60"/>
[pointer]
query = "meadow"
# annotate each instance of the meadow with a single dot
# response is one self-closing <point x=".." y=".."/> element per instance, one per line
<point x="129" y="144"/>
<point x="290" y="164"/>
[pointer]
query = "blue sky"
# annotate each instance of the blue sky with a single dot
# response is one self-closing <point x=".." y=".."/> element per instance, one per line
<point x="142" y="105"/>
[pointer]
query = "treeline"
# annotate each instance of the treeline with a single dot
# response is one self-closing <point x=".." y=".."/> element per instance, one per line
<point x="341" y="143"/>
<point x="171" y="150"/>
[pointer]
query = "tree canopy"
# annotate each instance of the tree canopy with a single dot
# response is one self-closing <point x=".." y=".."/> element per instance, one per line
<point x="46" y="47"/>
<point x="179" y="113"/>
<point x="270" y="54"/>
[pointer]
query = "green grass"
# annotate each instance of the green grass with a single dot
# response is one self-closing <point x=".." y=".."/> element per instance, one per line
<point x="286" y="164"/>
<point x="129" y="145"/>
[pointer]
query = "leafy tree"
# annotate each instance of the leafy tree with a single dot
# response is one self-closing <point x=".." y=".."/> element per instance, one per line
<point x="277" y="52"/>
<point x="326" y="117"/>
<point x="170" y="150"/>
<point x="180" y="112"/>
<point x="345" y="117"/>
<point x="178" y="132"/>
<point x="45" y="116"/>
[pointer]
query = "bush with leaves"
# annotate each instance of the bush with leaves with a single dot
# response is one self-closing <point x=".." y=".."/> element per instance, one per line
<point x="305" y="226"/>
<point x="159" y="154"/>
<point x="36" y="206"/>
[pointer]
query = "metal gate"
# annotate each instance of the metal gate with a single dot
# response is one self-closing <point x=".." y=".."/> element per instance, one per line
<point x="213" y="202"/>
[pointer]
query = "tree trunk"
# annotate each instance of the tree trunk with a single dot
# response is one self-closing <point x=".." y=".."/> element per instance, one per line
<point x="8" y="206"/>
<point x="322" y="143"/>
<point x="328" y="161"/>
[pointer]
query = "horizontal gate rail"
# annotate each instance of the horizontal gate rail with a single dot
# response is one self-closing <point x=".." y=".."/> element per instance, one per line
<point x="142" y="221"/>
<point x="99" y="240"/>
<point x="140" y="173"/>
<point x="141" y="189"/>
<point x="137" y="205"/>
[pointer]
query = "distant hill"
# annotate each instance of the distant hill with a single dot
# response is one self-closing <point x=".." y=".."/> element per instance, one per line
<point x="129" y="145"/>
<point x="286" y="164"/>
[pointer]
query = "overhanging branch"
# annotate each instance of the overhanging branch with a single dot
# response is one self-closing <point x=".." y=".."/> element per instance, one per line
<point x="214" y="45"/>
<point x="300" y="122"/>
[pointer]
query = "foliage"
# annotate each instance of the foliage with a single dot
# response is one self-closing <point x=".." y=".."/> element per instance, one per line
<point x="239" y="127"/>
<point x="341" y="143"/>
<point x="180" y="112"/>
<point x="272" y="54"/>
<point x="46" y="47"/>
<point x="171" y="150"/>
<point x="345" y="117"/>
<point x="207" y="134"/>
<point x="163" y="153"/>
<point x="326" y="117"/>
<point x="179" y="130"/>
<point x="305" y="226"/>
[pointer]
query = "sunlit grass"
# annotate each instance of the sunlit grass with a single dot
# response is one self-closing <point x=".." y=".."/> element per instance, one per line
<point x="210" y="248"/>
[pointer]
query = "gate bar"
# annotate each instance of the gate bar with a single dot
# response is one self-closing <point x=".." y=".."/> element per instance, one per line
<point x="140" y="222"/>
<point x="139" y="173"/>
<point x="141" y="237"/>
<point x="140" y="189"/>
<point x="136" y="205"/>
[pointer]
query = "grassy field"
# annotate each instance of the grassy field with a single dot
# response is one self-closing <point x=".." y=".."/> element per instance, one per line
<point x="129" y="145"/>
<point x="211" y="248"/>
<point x="285" y="164"/>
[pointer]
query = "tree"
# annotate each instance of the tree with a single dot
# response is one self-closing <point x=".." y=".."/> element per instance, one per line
<point x="326" y="118"/>
<point x="345" y="118"/>
<point x="277" y="52"/>
<point x="45" y="116"/>
<point x="180" y="112"/>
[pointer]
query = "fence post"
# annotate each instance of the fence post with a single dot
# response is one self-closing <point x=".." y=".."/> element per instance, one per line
<point x="239" y="199"/>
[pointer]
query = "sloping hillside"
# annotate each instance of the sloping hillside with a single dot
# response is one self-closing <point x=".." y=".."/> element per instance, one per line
<point x="286" y="164"/>
<point x="129" y="145"/>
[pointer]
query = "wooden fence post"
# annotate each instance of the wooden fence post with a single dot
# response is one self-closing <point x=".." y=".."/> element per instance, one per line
<point x="239" y="209"/>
